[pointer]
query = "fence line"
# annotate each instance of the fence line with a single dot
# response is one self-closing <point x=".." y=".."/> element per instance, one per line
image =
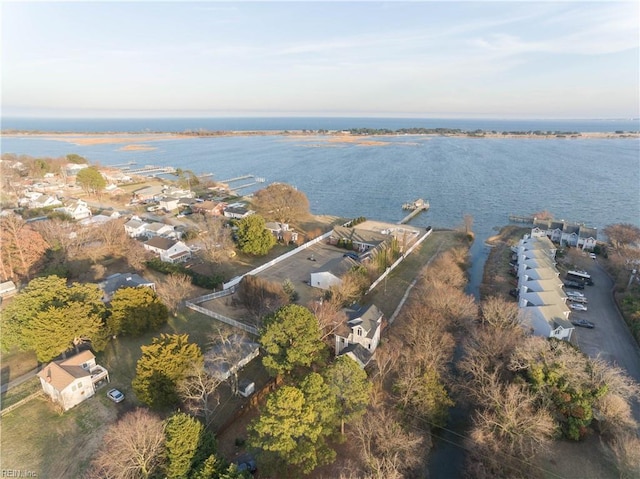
<point x="220" y="317"/>
<point x="21" y="402"/>
<point x="398" y="261"/>
<point x="210" y="296"/>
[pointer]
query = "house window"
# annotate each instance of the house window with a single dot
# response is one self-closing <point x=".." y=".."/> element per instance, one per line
<point x="73" y="388"/>
<point x="85" y="366"/>
<point x="359" y="332"/>
<point x="342" y="340"/>
<point x="79" y="385"/>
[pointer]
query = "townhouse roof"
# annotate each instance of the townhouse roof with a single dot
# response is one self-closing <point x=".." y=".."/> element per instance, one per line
<point x="586" y="232"/>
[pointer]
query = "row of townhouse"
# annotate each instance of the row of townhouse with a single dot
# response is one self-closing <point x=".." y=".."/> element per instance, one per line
<point x="566" y="234"/>
<point x="542" y="301"/>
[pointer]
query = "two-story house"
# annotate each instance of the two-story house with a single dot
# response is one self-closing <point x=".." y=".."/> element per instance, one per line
<point x="358" y="338"/>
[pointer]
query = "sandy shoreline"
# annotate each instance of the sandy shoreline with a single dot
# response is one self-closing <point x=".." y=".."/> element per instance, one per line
<point x="139" y="141"/>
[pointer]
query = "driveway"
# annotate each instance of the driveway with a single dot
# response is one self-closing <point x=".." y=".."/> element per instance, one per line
<point x="611" y="339"/>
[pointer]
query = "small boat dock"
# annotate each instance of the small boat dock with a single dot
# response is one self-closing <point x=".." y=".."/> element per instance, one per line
<point x="416" y="207"/>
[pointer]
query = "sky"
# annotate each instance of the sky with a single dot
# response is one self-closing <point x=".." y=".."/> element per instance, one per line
<point x="498" y="59"/>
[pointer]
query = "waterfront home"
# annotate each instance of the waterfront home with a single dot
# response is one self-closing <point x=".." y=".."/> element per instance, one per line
<point x="542" y="302"/>
<point x="73" y="380"/>
<point x="169" y="251"/>
<point x="331" y="273"/>
<point x="361" y="240"/>
<point x="149" y="193"/>
<point x="237" y="211"/>
<point x="211" y="208"/>
<point x="123" y="280"/>
<point x="566" y="234"/>
<point x="359" y="337"/>
<point x="282" y="232"/>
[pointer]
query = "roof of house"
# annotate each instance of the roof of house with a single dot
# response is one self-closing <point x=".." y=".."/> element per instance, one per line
<point x="571" y="229"/>
<point x="62" y="373"/>
<point x="356" y="235"/>
<point x="358" y="352"/>
<point x="7" y="286"/>
<point x="586" y="232"/>
<point x="156" y="226"/>
<point x="123" y="280"/>
<point x="161" y="243"/>
<point x="337" y="266"/>
<point x="133" y="223"/>
<point x="368" y="318"/>
<point x="223" y="357"/>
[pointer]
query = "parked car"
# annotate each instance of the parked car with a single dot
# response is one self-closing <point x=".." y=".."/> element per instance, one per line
<point x="583" y="323"/>
<point x="351" y="255"/>
<point x="578" y="299"/>
<point x="593" y="256"/>
<point x="115" y="395"/>
<point x="575" y="294"/>
<point x="247" y="463"/>
<point x="574" y="284"/>
<point x="577" y="307"/>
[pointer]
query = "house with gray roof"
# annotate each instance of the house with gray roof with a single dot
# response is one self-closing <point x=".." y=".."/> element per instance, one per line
<point x="331" y="273"/>
<point x="360" y="335"/>
<point x="169" y="251"/>
<point x="565" y="233"/>
<point x="361" y="239"/>
<point x="123" y="280"/>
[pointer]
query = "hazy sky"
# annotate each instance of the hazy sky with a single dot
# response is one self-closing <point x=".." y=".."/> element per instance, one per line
<point x="420" y="59"/>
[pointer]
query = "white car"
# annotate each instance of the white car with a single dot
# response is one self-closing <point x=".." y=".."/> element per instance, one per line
<point x="574" y="294"/>
<point x="578" y="307"/>
<point x="593" y="256"/>
<point x="115" y="395"/>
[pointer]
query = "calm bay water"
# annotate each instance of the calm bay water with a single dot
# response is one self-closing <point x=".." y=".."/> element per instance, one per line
<point x="595" y="181"/>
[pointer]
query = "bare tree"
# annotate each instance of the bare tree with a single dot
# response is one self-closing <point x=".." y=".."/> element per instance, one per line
<point x="330" y="316"/>
<point x="500" y="314"/>
<point x="622" y="235"/>
<point x="199" y="393"/>
<point x="215" y="240"/>
<point x="131" y="448"/>
<point x="173" y="290"/>
<point x="625" y="450"/>
<point x="282" y="203"/>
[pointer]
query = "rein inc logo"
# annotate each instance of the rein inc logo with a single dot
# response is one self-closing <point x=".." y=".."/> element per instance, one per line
<point x="17" y="473"/>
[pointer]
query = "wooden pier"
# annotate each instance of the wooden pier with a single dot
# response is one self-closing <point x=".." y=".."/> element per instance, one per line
<point x="149" y="170"/>
<point x="416" y="207"/>
<point x="521" y="219"/>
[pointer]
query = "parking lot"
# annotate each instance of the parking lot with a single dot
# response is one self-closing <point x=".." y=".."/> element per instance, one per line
<point x="610" y="339"/>
<point x="298" y="269"/>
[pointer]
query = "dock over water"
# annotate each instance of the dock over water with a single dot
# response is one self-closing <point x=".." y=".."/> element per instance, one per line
<point x="416" y="207"/>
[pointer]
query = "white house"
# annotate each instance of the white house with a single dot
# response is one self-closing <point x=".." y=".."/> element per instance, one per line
<point x="159" y="229"/>
<point x="45" y="201"/>
<point x="73" y="380"/>
<point x="577" y="235"/>
<point x="78" y="210"/>
<point x="282" y="231"/>
<point x="135" y="227"/>
<point x="331" y="273"/>
<point x="170" y="251"/>
<point x="360" y="336"/>
<point x="237" y="211"/>
<point x="7" y="288"/>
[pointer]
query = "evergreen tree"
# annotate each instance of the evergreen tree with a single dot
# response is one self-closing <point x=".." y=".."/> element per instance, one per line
<point x="135" y="311"/>
<point x="187" y="445"/>
<point x="91" y="180"/>
<point x="349" y="383"/>
<point x="290" y="338"/>
<point x="253" y="237"/>
<point x="164" y="363"/>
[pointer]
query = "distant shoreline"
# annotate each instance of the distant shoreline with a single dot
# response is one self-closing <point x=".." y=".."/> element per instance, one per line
<point x="139" y="141"/>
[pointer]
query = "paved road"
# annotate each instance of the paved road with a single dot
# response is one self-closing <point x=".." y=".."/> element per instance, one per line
<point x="611" y="339"/>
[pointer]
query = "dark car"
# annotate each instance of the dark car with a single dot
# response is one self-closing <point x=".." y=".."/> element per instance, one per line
<point x="247" y="463"/>
<point x="583" y="323"/>
<point x="574" y="284"/>
<point x="351" y="255"/>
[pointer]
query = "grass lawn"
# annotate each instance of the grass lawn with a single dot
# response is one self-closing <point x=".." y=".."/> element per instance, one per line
<point x="36" y="437"/>
<point x="388" y="294"/>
